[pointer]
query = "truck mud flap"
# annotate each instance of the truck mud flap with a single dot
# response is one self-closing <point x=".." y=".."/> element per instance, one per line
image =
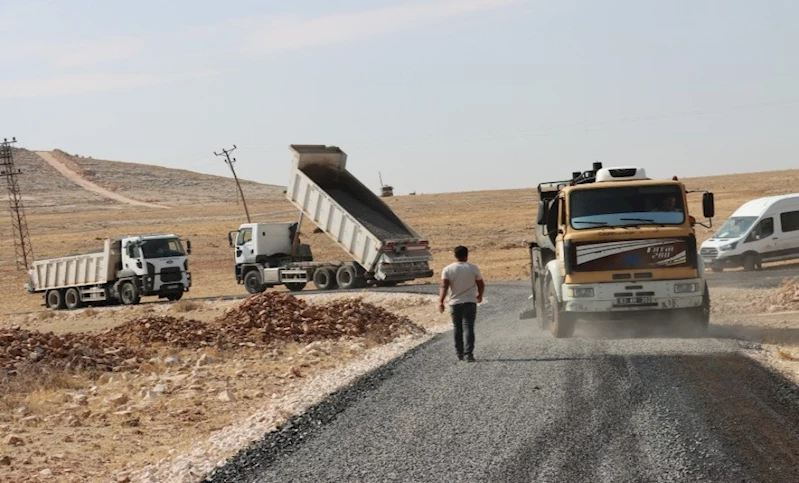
<point x="528" y="313"/>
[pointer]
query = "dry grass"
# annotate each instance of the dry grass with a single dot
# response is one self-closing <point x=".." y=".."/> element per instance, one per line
<point x="185" y="306"/>
<point x="35" y="387"/>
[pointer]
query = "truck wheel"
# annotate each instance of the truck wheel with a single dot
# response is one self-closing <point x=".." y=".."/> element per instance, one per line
<point x="540" y="304"/>
<point x="253" y="283"/>
<point x="750" y="262"/>
<point x="129" y="293"/>
<point x="347" y="277"/>
<point x="325" y="278"/>
<point x="561" y="322"/>
<point x="174" y="297"/>
<point x="701" y="319"/>
<point x="295" y="286"/>
<point x="55" y="299"/>
<point x="72" y="299"/>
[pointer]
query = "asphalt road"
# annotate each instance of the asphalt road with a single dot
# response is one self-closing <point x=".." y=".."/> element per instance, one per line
<point x="603" y="406"/>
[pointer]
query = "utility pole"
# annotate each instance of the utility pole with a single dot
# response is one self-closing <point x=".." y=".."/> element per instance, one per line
<point x="229" y="161"/>
<point x="19" y="224"/>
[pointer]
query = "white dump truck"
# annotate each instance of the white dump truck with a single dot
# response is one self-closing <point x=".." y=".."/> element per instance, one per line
<point x="383" y="249"/>
<point x="127" y="269"/>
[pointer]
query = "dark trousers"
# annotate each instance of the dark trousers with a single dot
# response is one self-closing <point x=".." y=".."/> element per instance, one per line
<point x="463" y="316"/>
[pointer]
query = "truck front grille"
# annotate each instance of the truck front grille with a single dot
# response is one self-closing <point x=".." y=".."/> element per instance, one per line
<point x="171" y="274"/>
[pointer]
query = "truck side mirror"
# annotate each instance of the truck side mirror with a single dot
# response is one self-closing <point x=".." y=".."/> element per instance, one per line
<point x="131" y="251"/>
<point x="230" y="238"/>
<point x="708" y="205"/>
<point x="188" y="247"/>
<point x="542" y="213"/>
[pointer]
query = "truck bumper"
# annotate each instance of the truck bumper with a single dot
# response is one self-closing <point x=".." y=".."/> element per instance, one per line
<point x="630" y="297"/>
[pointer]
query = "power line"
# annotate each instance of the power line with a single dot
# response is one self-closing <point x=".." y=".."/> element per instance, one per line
<point x="19" y="224"/>
<point x="229" y="161"/>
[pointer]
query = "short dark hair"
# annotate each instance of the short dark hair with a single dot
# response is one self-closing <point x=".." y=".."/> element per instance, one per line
<point x="461" y="252"/>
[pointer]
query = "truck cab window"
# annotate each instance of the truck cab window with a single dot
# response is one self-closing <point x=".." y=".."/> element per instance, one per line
<point x="763" y="229"/>
<point x="245" y="236"/>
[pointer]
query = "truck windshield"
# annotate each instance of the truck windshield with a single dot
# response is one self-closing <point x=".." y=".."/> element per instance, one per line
<point x="162" y="248"/>
<point x="735" y="227"/>
<point x="616" y="206"/>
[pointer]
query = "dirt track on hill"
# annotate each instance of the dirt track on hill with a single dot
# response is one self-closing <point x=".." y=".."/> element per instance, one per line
<point x="88" y="185"/>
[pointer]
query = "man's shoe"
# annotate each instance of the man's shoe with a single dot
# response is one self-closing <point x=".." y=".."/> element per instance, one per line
<point x="469" y="358"/>
<point x="460" y="357"/>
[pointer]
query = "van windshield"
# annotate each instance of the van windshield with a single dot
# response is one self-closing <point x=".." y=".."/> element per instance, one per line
<point x="626" y="206"/>
<point x="162" y="248"/>
<point x="735" y="227"/>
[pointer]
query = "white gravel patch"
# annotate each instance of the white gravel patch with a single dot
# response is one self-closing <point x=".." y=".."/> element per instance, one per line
<point x="205" y="456"/>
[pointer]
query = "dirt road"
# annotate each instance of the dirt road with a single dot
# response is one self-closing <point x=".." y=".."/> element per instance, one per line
<point x="597" y="407"/>
<point x="88" y="185"/>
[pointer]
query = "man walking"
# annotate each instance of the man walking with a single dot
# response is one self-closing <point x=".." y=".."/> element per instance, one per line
<point x="464" y="282"/>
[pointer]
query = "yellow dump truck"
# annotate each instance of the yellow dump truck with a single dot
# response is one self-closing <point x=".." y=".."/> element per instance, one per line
<point x="612" y="243"/>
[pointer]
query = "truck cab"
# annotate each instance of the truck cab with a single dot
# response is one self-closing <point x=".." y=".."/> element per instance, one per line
<point x="611" y="241"/>
<point x="269" y="254"/>
<point x="159" y="263"/>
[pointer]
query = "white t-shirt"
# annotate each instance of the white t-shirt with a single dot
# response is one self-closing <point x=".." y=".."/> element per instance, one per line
<point x="463" y="277"/>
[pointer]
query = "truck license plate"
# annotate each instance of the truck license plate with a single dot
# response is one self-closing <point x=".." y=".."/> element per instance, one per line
<point x="634" y="300"/>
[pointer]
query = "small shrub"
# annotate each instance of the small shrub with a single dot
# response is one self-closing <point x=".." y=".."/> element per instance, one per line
<point x="185" y="306"/>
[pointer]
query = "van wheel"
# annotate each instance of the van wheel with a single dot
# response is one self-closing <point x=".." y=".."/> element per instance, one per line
<point x="561" y="322"/>
<point x="750" y="262"/>
<point x="717" y="269"/>
<point x="325" y="278"/>
<point x="129" y="293"/>
<point x="253" y="283"/>
<point x="72" y="299"/>
<point x="54" y="299"/>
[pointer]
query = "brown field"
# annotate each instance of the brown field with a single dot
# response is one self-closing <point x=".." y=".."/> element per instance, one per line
<point x="65" y="219"/>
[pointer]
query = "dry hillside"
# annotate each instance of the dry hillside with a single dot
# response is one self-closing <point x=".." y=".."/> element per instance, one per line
<point x="45" y="190"/>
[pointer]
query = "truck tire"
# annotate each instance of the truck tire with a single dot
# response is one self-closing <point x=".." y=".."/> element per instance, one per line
<point x="561" y="322"/>
<point x="129" y="293"/>
<point x="54" y="299"/>
<point x="347" y="277"/>
<point x="295" y="286"/>
<point x="72" y="299"/>
<point x="253" y="283"/>
<point x="174" y="297"/>
<point x="701" y="318"/>
<point x="540" y="304"/>
<point x="325" y="278"/>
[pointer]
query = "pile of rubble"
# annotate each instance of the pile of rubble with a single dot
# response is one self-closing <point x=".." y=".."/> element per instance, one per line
<point x="786" y="298"/>
<point x="19" y="347"/>
<point x="164" y="330"/>
<point x="262" y="320"/>
<point x="274" y="316"/>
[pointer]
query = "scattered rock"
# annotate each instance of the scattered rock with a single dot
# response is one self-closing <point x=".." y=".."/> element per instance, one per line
<point x="14" y="440"/>
<point x="119" y="399"/>
<point x="5" y="460"/>
<point x="226" y="396"/>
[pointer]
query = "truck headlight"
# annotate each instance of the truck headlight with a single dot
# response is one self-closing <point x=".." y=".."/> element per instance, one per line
<point x="728" y="247"/>
<point x="580" y="292"/>
<point x="685" y="287"/>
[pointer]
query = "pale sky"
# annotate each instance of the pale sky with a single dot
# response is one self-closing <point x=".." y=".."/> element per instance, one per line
<point x="439" y="96"/>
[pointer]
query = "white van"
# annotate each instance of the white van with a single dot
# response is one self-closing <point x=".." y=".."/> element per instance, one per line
<point x="761" y="230"/>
